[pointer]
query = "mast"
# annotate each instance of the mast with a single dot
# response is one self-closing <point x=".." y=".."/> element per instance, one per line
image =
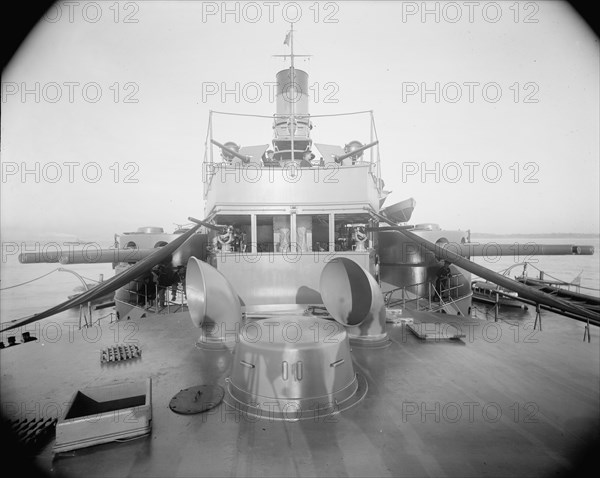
<point x="293" y="78"/>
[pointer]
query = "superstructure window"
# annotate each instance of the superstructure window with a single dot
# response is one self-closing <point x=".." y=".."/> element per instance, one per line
<point x="236" y="235"/>
<point x="320" y="233"/>
<point x="264" y="233"/>
<point x="351" y="232"/>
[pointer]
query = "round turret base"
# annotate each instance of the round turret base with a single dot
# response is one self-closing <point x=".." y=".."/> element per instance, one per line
<point x="293" y="368"/>
<point x="370" y="342"/>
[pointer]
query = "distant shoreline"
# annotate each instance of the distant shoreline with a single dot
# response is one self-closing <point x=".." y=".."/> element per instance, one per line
<point x="540" y="235"/>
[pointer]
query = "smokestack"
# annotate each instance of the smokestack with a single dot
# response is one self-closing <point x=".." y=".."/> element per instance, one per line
<point x="292" y="116"/>
<point x="292" y="92"/>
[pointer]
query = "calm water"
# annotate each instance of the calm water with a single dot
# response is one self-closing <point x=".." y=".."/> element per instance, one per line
<point x="39" y="295"/>
<point x="21" y="301"/>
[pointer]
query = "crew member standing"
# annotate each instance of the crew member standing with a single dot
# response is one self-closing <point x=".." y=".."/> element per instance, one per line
<point x="442" y="282"/>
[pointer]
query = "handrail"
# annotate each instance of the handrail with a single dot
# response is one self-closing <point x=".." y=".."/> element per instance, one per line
<point x="276" y="115"/>
<point x="375" y="157"/>
<point x="440" y="295"/>
<point x="152" y="304"/>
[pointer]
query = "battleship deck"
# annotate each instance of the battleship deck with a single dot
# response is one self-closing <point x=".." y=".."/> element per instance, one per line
<point x="505" y="400"/>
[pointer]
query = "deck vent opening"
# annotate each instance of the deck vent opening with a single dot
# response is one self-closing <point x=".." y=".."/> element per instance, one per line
<point x="84" y="405"/>
<point x="106" y="413"/>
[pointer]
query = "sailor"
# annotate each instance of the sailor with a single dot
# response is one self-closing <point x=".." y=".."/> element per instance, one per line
<point x="442" y="281"/>
<point x="308" y="156"/>
<point x="268" y="156"/>
<point x="149" y="289"/>
<point x="243" y="237"/>
<point x="360" y="237"/>
<point x="237" y="240"/>
<point x="177" y="278"/>
<point x="225" y="240"/>
<point x="158" y="274"/>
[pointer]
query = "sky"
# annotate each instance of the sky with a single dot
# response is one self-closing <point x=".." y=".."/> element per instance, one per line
<point x="487" y="113"/>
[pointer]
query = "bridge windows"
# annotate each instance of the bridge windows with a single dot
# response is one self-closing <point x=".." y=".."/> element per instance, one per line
<point x="320" y="233"/>
<point x="265" y="241"/>
<point x="236" y="235"/>
<point x="351" y="232"/>
<point x="304" y="233"/>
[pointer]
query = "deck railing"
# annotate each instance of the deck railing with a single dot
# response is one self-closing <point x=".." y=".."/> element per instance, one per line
<point x="434" y="300"/>
<point x="165" y="300"/>
<point x="374" y="156"/>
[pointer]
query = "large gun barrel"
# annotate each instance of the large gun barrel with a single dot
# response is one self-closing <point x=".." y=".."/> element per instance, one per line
<point x="48" y="257"/>
<point x="244" y="158"/>
<point x="339" y="159"/>
<point x="140" y="268"/>
<point x="524" y="291"/>
<point x="518" y="250"/>
<point x="98" y="256"/>
<point x="88" y="256"/>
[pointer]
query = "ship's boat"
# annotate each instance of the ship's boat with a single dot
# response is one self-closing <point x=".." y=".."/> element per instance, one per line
<point x="491" y="294"/>
<point x="401" y="211"/>
<point x="564" y="290"/>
